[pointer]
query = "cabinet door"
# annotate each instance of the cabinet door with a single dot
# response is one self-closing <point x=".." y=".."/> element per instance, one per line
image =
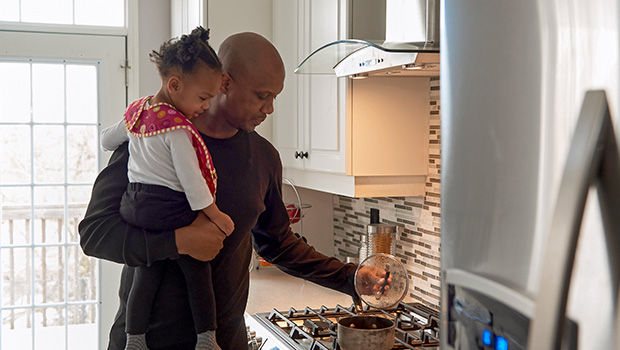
<point x="324" y="95"/>
<point x="287" y="125"/>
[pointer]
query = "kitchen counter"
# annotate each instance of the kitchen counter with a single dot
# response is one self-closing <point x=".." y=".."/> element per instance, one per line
<point x="271" y="288"/>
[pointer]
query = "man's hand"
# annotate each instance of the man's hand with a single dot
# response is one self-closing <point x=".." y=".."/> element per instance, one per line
<point x="370" y="280"/>
<point x="202" y="239"/>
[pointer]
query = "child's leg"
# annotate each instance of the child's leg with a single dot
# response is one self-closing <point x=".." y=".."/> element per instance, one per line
<point x="223" y="221"/>
<point x="146" y="281"/>
<point x="201" y="300"/>
<point x="200" y="292"/>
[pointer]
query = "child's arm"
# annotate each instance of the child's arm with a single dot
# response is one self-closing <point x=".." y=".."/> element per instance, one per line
<point x="223" y="221"/>
<point x="188" y="172"/>
<point x="114" y="136"/>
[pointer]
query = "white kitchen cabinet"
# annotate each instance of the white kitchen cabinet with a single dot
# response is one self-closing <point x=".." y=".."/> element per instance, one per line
<point x="287" y="118"/>
<point x="359" y="138"/>
<point x="309" y="117"/>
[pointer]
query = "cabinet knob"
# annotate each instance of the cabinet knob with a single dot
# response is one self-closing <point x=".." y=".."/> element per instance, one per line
<point x="304" y="155"/>
<point x="297" y="154"/>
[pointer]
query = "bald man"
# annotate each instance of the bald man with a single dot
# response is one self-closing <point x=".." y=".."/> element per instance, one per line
<point x="249" y="190"/>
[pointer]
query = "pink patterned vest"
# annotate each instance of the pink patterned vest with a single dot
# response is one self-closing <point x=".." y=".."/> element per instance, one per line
<point x="162" y="117"/>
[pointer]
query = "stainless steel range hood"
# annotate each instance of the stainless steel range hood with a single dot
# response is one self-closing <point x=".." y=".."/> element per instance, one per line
<point x="389" y="37"/>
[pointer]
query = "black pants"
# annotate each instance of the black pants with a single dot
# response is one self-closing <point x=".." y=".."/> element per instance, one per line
<point x="156" y="207"/>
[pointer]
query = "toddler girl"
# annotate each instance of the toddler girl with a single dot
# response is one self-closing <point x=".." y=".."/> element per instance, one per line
<point x="171" y="176"/>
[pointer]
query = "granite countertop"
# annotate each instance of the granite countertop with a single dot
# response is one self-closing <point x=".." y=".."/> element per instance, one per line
<point x="271" y="288"/>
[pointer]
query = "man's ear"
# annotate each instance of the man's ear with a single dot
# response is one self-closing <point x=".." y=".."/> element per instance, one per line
<point x="174" y="84"/>
<point x="226" y="83"/>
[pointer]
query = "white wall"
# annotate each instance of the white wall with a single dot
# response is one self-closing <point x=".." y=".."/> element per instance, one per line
<point x="226" y="17"/>
<point x="318" y="226"/>
<point x="153" y="30"/>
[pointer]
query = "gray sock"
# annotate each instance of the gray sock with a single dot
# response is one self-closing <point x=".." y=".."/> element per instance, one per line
<point x="136" y="342"/>
<point x="206" y="341"/>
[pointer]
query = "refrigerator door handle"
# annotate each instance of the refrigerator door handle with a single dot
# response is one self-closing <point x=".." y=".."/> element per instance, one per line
<point x="593" y="160"/>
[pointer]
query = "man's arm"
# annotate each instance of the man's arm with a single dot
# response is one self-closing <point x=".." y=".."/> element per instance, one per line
<point x="275" y="242"/>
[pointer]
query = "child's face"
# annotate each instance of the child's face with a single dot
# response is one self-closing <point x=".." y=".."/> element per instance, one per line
<point x="195" y="91"/>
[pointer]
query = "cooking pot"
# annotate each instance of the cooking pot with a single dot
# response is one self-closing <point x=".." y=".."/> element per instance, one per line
<point x="365" y="332"/>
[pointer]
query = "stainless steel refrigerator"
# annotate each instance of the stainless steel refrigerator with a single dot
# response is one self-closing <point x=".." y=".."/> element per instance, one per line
<point x="530" y="181"/>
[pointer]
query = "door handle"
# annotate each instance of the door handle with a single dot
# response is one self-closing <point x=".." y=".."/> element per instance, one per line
<point x="593" y="160"/>
<point x="301" y="154"/>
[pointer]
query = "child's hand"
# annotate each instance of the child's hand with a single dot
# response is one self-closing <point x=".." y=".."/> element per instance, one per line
<point x="202" y="240"/>
<point x="225" y="223"/>
<point x="221" y="220"/>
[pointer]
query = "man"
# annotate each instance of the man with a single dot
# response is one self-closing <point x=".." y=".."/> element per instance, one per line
<point x="249" y="190"/>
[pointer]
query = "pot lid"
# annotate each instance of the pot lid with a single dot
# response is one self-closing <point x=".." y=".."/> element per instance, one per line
<point x="392" y="276"/>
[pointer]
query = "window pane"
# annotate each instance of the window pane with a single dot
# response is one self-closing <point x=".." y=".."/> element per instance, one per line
<point x="82" y="272"/>
<point x="17" y="329"/>
<point x="49" y="154"/>
<point x="81" y="94"/>
<point x="49" y="326"/>
<point x="9" y="10"/>
<point x="14" y="97"/>
<point x="49" y="280"/>
<point x="15" y="154"/>
<point x="77" y="200"/>
<point x="48" y="93"/>
<point x="100" y="12"/>
<point x="47" y="11"/>
<point x="16" y="287"/>
<point x="82" y="326"/>
<point x="15" y="211"/>
<point x="49" y="212"/>
<point x="82" y="142"/>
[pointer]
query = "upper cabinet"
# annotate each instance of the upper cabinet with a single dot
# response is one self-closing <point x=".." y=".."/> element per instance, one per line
<point x="309" y="117"/>
<point x="359" y="138"/>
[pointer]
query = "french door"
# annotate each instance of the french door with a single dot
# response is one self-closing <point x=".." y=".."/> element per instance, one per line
<point x="56" y="90"/>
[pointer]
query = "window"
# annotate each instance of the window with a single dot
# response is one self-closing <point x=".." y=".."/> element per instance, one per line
<point x="49" y="162"/>
<point x="51" y="109"/>
<point x="108" y="13"/>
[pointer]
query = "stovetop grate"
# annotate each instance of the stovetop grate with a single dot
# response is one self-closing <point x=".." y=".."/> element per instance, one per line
<point x="417" y="326"/>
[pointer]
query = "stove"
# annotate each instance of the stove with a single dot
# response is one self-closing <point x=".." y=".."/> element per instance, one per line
<point x="417" y="327"/>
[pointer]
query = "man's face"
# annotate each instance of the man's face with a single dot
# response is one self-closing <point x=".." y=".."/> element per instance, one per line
<point x="250" y="97"/>
<point x="196" y="90"/>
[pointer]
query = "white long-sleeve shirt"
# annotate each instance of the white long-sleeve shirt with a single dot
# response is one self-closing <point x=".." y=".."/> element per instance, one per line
<point x="167" y="159"/>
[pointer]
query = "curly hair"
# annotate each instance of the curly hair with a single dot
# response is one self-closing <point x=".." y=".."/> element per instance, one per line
<point x="185" y="52"/>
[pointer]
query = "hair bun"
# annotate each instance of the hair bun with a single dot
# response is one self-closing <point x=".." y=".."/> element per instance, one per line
<point x="201" y="33"/>
<point x="185" y="52"/>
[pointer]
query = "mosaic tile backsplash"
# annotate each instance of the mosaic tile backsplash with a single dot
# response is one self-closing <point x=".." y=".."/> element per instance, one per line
<point x="418" y="220"/>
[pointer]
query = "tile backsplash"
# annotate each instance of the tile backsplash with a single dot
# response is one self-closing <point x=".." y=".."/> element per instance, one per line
<point x="418" y="219"/>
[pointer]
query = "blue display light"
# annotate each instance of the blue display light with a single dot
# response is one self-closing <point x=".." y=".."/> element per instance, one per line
<point x="487" y="337"/>
<point x="501" y="343"/>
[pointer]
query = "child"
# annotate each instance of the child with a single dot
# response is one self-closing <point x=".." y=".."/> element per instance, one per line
<point x="171" y="175"/>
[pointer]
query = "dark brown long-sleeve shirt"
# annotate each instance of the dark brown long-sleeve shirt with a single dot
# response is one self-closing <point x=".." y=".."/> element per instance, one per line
<point x="249" y="190"/>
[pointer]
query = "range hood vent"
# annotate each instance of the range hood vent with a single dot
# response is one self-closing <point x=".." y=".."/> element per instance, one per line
<point x="396" y="54"/>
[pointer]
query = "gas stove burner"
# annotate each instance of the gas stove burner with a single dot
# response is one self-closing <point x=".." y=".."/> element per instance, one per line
<point x="317" y="328"/>
<point x="417" y="326"/>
